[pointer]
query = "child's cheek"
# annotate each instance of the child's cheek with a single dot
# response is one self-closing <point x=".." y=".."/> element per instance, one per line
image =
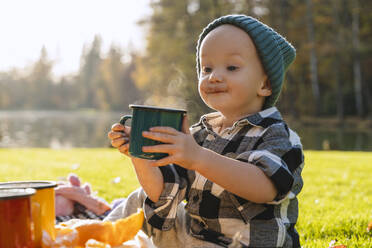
<point x="202" y="84"/>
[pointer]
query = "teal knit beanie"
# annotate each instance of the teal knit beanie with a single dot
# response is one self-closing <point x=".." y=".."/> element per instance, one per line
<point x="275" y="52"/>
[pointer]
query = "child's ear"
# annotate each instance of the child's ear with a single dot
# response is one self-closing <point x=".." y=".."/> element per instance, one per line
<point x="265" y="89"/>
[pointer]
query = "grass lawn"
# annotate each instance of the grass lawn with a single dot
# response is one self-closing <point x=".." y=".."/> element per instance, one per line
<point x="335" y="203"/>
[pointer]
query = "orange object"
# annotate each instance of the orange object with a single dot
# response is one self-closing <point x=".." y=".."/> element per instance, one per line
<point x="16" y="227"/>
<point x="95" y="233"/>
<point x="42" y="205"/>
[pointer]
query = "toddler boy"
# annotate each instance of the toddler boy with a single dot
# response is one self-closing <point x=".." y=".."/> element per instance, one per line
<point x="239" y="168"/>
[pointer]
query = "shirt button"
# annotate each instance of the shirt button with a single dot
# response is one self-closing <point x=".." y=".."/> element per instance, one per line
<point x="196" y="198"/>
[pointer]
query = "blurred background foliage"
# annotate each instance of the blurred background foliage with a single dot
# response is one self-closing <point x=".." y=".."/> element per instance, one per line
<point x="330" y="77"/>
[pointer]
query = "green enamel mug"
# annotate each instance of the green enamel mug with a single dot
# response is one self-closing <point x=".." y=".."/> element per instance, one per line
<point x="143" y="118"/>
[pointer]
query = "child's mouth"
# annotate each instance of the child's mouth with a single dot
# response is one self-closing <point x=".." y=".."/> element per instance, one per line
<point x="215" y="90"/>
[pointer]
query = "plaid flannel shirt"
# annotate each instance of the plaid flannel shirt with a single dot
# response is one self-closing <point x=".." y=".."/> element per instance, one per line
<point x="262" y="139"/>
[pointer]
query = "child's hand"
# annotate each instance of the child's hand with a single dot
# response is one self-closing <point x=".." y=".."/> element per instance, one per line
<point x="119" y="136"/>
<point x="149" y="177"/>
<point x="181" y="146"/>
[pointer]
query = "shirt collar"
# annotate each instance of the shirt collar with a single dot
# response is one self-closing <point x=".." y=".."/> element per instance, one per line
<point x="264" y="119"/>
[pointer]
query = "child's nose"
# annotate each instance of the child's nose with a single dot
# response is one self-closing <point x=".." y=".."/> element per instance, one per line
<point x="215" y="76"/>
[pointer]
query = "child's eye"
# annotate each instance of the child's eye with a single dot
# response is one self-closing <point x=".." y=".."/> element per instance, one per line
<point x="232" y="68"/>
<point x="207" y="69"/>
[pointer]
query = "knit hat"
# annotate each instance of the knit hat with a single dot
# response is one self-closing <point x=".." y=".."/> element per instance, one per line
<point x="275" y="52"/>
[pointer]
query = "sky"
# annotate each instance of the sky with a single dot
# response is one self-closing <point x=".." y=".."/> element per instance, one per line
<point x="63" y="27"/>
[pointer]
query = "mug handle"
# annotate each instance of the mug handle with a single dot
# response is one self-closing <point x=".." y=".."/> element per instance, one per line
<point x="124" y="119"/>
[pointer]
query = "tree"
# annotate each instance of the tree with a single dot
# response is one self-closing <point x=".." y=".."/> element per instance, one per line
<point x="119" y="86"/>
<point x="356" y="58"/>
<point x="41" y="83"/>
<point x="313" y="56"/>
<point x="337" y="61"/>
<point x="88" y="78"/>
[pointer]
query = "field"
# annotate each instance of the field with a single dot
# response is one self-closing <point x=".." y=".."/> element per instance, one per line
<point x="335" y="203"/>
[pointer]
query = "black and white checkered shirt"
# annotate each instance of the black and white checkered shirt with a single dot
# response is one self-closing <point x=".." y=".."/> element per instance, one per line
<point x="262" y="139"/>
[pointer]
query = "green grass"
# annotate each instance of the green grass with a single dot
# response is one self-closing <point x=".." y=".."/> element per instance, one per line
<point x="335" y="203"/>
<point x="99" y="167"/>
